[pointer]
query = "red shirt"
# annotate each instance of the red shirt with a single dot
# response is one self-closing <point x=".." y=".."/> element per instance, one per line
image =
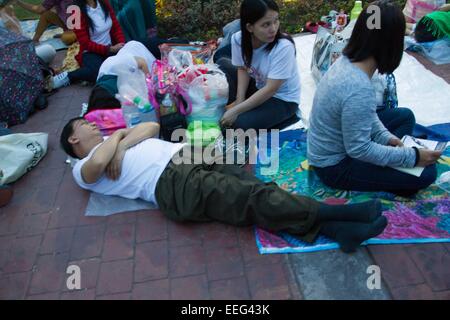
<point x="84" y="39"/>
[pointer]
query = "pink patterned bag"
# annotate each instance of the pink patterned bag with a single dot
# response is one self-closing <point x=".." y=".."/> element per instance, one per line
<point x="107" y="120"/>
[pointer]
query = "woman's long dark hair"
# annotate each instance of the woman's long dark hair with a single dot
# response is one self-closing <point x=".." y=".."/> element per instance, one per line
<point x="384" y="44"/>
<point x="82" y="4"/>
<point x="251" y="12"/>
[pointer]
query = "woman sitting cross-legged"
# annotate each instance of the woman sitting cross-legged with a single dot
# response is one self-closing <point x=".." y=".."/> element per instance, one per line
<point x="99" y="35"/>
<point x="348" y="145"/>
<point x="262" y="72"/>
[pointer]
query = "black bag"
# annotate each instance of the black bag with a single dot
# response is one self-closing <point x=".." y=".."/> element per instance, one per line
<point x="171" y="122"/>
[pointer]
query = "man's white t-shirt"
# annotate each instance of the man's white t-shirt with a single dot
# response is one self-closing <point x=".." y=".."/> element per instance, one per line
<point x="125" y="59"/>
<point x="142" y="167"/>
<point x="278" y="64"/>
<point x="100" y="33"/>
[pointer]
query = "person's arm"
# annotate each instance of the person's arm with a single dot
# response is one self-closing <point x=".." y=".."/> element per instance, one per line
<point x="38" y="9"/>
<point x="380" y="134"/>
<point x="142" y="64"/>
<point x="258" y="98"/>
<point x="131" y="138"/>
<point x="138" y="134"/>
<point x="95" y="167"/>
<point x="242" y="85"/>
<point x="357" y="120"/>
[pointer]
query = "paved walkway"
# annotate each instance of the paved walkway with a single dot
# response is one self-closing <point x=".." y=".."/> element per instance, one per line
<point x="142" y="255"/>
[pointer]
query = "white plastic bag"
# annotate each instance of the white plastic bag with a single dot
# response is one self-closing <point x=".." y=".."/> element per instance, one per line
<point x="20" y="153"/>
<point x="208" y="93"/>
<point x="327" y="49"/>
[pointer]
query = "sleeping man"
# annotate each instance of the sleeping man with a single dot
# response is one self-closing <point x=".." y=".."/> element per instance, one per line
<point x="133" y="164"/>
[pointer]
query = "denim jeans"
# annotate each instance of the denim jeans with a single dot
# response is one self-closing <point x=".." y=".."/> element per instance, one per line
<point x="90" y="68"/>
<point x="352" y="174"/>
<point x="399" y="121"/>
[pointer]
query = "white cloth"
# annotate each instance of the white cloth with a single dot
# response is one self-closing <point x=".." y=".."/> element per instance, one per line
<point x="418" y="89"/>
<point x="125" y="59"/>
<point x="278" y="64"/>
<point x="100" y="33"/>
<point x="142" y="166"/>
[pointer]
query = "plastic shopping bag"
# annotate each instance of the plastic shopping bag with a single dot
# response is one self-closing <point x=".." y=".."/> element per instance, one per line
<point x="182" y="56"/>
<point x="20" y="153"/>
<point x="327" y="49"/>
<point x="207" y="89"/>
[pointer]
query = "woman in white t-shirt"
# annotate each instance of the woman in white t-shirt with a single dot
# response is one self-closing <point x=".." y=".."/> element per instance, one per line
<point x="262" y="73"/>
<point x="99" y="35"/>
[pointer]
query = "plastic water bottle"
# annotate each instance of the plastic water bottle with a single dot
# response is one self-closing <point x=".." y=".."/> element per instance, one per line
<point x="131" y="115"/>
<point x="148" y="116"/>
<point x="356" y="11"/>
<point x="147" y="111"/>
<point x="135" y="109"/>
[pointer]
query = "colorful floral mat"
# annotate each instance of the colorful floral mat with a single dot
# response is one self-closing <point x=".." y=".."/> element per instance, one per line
<point x="424" y="219"/>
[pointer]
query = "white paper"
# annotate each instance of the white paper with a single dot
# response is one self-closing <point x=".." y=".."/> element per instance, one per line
<point x="410" y="142"/>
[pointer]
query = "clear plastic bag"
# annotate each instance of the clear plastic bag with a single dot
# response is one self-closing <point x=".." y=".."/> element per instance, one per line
<point x="208" y="94"/>
<point x="327" y="49"/>
<point x="180" y="59"/>
<point x="186" y="54"/>
<point x="132" y="87"/>
<point x="134" y="98"/>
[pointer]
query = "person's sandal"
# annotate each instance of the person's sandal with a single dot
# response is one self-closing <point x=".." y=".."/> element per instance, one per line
<point x="6" y="194"/>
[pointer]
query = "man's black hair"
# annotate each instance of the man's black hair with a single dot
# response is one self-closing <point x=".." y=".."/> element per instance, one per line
<point x="66" y="134"/>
